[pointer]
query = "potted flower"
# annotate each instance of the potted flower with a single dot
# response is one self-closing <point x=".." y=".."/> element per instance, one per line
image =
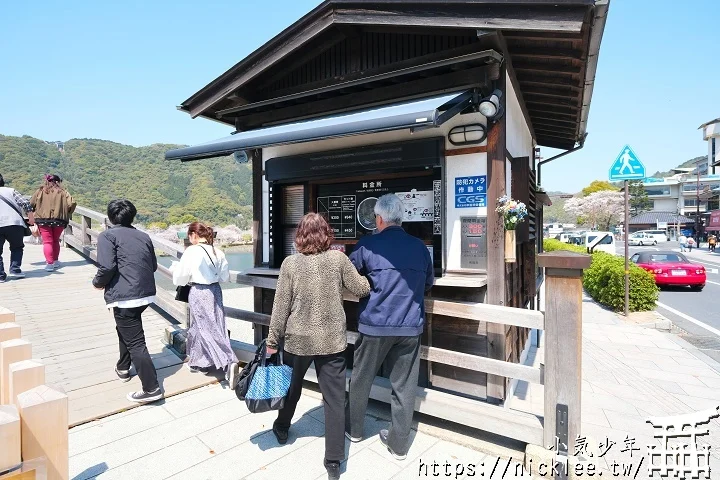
<point x="513" y="213"/>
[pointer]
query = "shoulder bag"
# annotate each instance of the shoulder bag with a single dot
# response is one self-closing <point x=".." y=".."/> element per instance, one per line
<point x="182" y="293"/>
<point x="27" y="232"/>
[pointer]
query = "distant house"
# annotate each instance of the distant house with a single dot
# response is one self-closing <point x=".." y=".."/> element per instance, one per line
<point x="58" y="144"/>
<point x="711" y="134"/>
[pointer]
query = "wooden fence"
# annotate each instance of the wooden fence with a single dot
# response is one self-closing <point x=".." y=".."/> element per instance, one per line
<point x="561" y="374"/>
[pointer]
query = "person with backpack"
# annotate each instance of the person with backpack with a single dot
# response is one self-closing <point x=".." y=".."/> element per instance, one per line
<point x="12" y="228"/>
<point x="203" y="267"/>
<point x="53" y="207"/>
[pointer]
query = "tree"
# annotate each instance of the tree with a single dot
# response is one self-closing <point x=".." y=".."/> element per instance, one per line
<point x="600" y="210"/>
<point x="598" y="186"/>
<point x="639" y="201"/>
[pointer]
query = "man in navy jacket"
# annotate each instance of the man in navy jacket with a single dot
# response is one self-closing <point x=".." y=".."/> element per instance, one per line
<point x="390" y="323"/>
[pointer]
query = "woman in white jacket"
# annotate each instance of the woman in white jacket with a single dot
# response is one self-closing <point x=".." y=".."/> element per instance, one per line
<point x="203" y="267"/>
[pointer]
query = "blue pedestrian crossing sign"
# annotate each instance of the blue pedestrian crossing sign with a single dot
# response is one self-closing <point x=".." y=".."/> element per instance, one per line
<point x="627" y="166"/>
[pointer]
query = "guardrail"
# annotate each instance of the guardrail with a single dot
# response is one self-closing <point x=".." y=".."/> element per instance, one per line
<point x="561" y="374"/>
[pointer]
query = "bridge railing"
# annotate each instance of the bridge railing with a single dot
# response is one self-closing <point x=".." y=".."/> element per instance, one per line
<point x="561" y="322"/>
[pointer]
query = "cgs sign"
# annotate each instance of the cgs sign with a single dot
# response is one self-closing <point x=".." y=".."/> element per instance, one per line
<point x="471" y="192"/>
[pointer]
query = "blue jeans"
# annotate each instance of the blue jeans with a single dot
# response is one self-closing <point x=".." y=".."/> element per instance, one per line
<point x="14" y="235"/>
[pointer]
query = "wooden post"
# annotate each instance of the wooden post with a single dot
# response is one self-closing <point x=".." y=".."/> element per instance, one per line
<point x="9" y="438"/>
<point x="563" y="344"/>
<point x="44" y="425"/>
<point x="496" y="295"/>
<point x="9" y="331"/>
<point x="10" y="352"/>
<point x="25" y="376"/>
<point x="6" y="315"/>
<point x="86" y="226"/>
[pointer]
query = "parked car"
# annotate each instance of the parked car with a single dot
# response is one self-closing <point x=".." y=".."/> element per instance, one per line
<point x="601" y="241"/>
<point x="671" y="268"/>
<point x="642" y="239"/>
<point x="659" y="235"/>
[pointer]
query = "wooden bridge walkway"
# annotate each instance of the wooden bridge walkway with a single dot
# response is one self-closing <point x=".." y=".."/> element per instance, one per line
<point x="73" y="333"/>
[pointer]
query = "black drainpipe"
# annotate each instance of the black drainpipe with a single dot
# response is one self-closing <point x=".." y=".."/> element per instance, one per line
<point x="540" y="164"/>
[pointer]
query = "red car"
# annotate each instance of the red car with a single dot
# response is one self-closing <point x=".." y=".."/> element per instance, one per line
<point x="671" y="268"/>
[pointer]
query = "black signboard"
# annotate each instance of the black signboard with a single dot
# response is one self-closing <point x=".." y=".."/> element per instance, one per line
<point x="391" y="157"/>
<point x="473" y="249"/>
<point x="340" y="214"/>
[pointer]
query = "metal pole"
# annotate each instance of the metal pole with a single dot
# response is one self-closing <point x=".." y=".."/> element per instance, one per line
<point x="627" y="250"/>
<point x="697" y="207"/>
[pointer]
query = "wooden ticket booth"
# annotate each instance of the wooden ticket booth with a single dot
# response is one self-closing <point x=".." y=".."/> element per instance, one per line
<point x="427" y="101"/>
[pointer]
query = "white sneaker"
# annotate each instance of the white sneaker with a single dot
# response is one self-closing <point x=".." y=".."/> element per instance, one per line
<point x="57" y="265"/>
<point x="50" y="267"/>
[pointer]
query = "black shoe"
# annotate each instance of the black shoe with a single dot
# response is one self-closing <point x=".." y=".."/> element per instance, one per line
<point x="333" y="470"/>
<point x="3" y="278"/>
<point x="123" y="375"/>
<point x="145" y="397"/>
<point x="384" y="441"/>
<point x="281" y="435"/>
<point x="16" y="274"/>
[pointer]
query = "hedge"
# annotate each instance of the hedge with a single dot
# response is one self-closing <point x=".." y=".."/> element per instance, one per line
<point x="604" y="281"/>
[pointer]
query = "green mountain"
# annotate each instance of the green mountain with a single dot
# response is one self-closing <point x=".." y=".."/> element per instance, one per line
<point x="688" y="164"/>
<point x="217" y="191"/>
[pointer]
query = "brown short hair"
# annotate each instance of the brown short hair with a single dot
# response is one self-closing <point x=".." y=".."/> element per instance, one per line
<point x="313" y="235"/>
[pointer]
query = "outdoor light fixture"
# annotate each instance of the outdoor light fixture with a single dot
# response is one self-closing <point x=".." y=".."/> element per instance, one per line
<point x="470" y="134"/>
<point x="490" y="106"/>
<point x="241" y="156"/>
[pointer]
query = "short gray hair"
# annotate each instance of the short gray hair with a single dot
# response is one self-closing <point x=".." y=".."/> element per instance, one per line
<point x="390" y="209"/>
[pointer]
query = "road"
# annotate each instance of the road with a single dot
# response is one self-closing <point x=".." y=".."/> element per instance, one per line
<point x="697" y="313"/>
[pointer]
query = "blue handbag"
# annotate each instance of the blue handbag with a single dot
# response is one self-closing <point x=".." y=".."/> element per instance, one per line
<point x="269" y="384"/>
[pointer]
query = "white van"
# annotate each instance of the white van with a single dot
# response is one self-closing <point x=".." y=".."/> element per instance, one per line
<point x="600" y="242"/>
<point x="659" y="235"/>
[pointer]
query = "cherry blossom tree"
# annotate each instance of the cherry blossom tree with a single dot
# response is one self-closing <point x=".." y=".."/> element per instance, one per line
<point x="599" y="210"/>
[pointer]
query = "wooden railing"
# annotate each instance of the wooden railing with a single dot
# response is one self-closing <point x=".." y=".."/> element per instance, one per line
<point x="561" y="330"/>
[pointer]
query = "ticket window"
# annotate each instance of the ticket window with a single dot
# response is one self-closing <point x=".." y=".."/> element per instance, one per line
<point x="348" y="205"/>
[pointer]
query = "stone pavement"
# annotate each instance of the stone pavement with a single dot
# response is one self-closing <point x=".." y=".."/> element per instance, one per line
<point x="209" y="434"/>
<point x="632" y="372"/>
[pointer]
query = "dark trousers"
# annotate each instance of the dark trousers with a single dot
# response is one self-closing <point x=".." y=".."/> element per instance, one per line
<point x="128" y="323"/>
<point x="403" y="358"/>
<point x="331" y="378"/>
<point x="14" y="234"/>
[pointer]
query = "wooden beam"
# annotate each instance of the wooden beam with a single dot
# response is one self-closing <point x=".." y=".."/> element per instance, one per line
<point x="496" y="244"/>
<point x="542" y="36"/>
<point x="10" y="456"/>
<point x="416" y="65"/>
<point x="44" y="424"/>
<point x="408" y="91"/>
<point x="236" y="77"/>
<point x="552" y="127"/>
<point x="553" y="109"/>
<point x="554" y="101"/>
<point x="553" y="70"/>
<point x="310" y="51"/>
<point x="11" y="351"/>
<point x="540" y="118"/>
<point x="548" y="53"/>
<point x="9" y="331"/>
<point x="24" y="376"/>
<point x="6" y="315"/>
<point x="466" y="150"/>
<point x="486" y="17"/>
<point x="550" y="91"/>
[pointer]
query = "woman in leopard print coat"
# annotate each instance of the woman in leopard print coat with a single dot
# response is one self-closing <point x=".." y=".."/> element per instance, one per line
<point x="308" y="315"/>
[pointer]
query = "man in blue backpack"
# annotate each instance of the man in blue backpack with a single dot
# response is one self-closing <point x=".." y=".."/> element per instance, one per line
<point x="390" y="323"/>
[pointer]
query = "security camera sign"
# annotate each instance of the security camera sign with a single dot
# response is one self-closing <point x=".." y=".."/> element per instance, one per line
<point x="418" y="206"/>
<point x="471" y="192"/>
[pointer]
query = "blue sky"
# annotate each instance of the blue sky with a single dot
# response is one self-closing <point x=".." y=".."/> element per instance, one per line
<point x="117" y="70"/>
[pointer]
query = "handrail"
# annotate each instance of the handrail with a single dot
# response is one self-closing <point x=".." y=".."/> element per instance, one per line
<point x="479" y="312"/>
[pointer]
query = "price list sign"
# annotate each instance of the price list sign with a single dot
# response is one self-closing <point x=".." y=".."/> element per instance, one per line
<point x="473" y="250"/>
<point x="340" y="214"/>
<point x="437" y="207"/>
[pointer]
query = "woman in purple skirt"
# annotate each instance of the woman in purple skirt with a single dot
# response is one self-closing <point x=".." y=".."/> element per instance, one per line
<point x="203" y="267"/>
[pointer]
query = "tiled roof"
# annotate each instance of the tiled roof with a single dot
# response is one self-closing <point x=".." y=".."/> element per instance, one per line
<point x="652" y="217"/>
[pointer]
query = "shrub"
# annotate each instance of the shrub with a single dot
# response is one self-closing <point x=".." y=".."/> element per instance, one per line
<point x="604" y="281"/>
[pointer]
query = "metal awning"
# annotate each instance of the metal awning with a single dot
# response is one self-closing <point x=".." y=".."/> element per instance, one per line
<point x="425" y="113"/>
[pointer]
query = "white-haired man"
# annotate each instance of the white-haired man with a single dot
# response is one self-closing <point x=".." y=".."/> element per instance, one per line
<point x="390" y="322"/>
